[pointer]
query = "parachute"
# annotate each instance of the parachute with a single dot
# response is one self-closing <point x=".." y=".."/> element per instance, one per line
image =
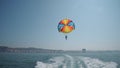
<point x="66" y="26"/>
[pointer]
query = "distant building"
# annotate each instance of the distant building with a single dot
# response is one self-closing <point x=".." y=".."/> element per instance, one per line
<point x="83" y="50"/>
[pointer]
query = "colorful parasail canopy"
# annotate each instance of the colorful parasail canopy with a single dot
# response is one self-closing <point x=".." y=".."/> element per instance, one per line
<point x="66" y="26"/>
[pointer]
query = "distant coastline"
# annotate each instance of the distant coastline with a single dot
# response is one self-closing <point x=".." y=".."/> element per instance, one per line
<point x="5" y="49"/>
<point x="28" y="50"/>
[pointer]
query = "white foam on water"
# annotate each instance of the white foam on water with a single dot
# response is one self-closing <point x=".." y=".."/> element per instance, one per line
<point x="68" y="61"/>
<point x="42" y="65"/>
<point x="55" y="62"/>
<point x="96" y="63"/>
<point x="71" y="60"/>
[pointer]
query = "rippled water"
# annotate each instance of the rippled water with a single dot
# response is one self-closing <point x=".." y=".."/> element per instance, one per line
<point x="67" y="60"/>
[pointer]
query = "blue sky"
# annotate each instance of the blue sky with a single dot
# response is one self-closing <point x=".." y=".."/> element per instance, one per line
<point x="33" y="23"/>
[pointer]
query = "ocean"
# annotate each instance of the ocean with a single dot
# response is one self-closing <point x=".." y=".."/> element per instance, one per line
<point x="103" y="59"/>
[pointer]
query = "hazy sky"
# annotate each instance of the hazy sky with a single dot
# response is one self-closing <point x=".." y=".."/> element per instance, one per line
<point x="33" y="23"/>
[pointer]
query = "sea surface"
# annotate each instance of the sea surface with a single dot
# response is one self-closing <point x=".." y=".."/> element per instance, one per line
<point x="104" y="59"/>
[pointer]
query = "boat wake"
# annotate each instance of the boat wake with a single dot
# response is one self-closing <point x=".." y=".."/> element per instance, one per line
<point x="68" y="61"/>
